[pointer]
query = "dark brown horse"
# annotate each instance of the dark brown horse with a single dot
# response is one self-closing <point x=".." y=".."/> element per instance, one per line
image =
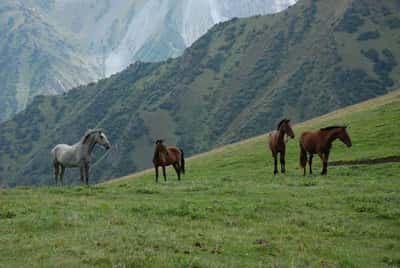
<point x="277" y="143"/>
<point x="320" y="142"/>
<point x="165" y="156"/>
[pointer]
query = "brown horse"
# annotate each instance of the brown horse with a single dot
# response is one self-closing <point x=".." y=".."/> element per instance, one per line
<point x="277" y="143"/>
<point x="165" y="156"/>
<point x="320" y="142"/>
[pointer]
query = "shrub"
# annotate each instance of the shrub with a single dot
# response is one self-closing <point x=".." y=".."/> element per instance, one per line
<point x="368" y="35"/>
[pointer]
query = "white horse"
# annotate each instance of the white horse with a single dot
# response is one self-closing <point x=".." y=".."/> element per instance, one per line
<point x="78" y="155"/>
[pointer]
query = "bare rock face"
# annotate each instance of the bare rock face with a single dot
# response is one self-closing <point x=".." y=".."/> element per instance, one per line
<point x="117" y="33"/>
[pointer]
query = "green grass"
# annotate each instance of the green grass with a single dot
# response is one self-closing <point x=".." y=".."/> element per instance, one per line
<point x="227" y="201"/>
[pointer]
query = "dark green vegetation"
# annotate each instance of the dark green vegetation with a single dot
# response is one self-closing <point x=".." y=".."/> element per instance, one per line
<point x="237" y="81"/>
<point x="35" y="58"/>
<point x="228" y="211"/>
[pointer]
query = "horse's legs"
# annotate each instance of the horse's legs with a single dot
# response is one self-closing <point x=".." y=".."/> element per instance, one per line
<point x="303" y="158"/>
<point x="87" y="173"/>
<point x="82" y="171"/>
<point x="305" y="164"/>
<point x="62" y="174"/>
<point x="178" y="170"/>
<point x="56" y="171"/>
<point x="163" y="172"/>
<point x="325" y="164"/>
<point x="310" y="162"/>
<point x="282" y="156"/>
<point x="275" y="163"/>
<point x="156" y="168"/>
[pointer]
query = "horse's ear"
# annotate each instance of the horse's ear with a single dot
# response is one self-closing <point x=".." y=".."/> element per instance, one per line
<point x="287" y="120"/>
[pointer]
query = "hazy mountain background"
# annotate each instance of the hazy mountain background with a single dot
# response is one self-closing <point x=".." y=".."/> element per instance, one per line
<point x="49" y="46"/>
<point x="120" y="32"/>
<point x="236" y="81"/>
<point x="36" y="58"/>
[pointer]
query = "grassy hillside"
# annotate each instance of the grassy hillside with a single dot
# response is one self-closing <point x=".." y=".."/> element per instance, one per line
<point x="237" y="81"/>
<point x="228" y="211"/>
<point x="36" y="58"/>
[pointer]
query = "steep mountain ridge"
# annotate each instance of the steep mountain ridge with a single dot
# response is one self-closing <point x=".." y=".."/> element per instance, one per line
<point x="120" y="32"/>
<point x="235" y="82"/>
<point x="58" y="44"/>
<point x="35" y="58"/>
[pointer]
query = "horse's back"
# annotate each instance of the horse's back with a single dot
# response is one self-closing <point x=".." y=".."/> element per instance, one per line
<point x="309" y="140"/>
<point x="308" y="134"/>
<point x="61" y="147"/>
<point x="174" y="150"/>
<point x="63" y="153"/>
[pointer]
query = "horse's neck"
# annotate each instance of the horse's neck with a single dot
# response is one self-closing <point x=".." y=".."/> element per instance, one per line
<point x="159" y="151"/>
<point x="156" y="153"/>
<point x="281" y="136"/>
<point x="88" y="146"/>
<point x="330" y="137"/>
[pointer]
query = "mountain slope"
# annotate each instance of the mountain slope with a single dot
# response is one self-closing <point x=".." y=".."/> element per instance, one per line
<point x="49" y="46"/>
<point x="235" y="82"/>
<point x="228" y="211"/>
<point x="35" y="58"/>
<point x="118" y="33"/>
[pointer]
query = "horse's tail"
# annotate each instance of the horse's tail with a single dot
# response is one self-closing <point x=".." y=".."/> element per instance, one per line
<point x="53" y="152"/>
<point x="182" y="161"/>
<point x="303" y="156"/>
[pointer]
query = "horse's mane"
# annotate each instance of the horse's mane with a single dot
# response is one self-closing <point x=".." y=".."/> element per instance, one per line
<point x="89" y="132"/>
<point x="281" y="122"/>
<point x="330" y="128"/>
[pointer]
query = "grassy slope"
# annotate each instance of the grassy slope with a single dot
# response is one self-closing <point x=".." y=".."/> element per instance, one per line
<point x="227" y="201"/>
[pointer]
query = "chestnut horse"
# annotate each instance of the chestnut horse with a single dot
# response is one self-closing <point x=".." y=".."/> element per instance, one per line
<point x="277" y="143"/>
<point x="165" y="156"/>
<point x="320" y="142"/>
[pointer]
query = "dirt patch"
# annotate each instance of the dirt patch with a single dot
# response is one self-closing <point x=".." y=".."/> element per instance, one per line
<point x="390" y="159"/>
<point x="261" y="242"/>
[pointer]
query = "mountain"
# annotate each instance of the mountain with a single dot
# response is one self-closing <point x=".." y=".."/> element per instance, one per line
<point x="50" y="46"/>
<point x="236" y="81"/>
<point x="117" y="33"/>
<point x="35" y="58"/>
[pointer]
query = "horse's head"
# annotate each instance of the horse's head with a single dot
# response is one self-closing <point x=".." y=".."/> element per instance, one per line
<point x="284" y="125"/>
<point x="344" y="136"/>
<point x="101" y="138"/>
<point x="160" y="147"/>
